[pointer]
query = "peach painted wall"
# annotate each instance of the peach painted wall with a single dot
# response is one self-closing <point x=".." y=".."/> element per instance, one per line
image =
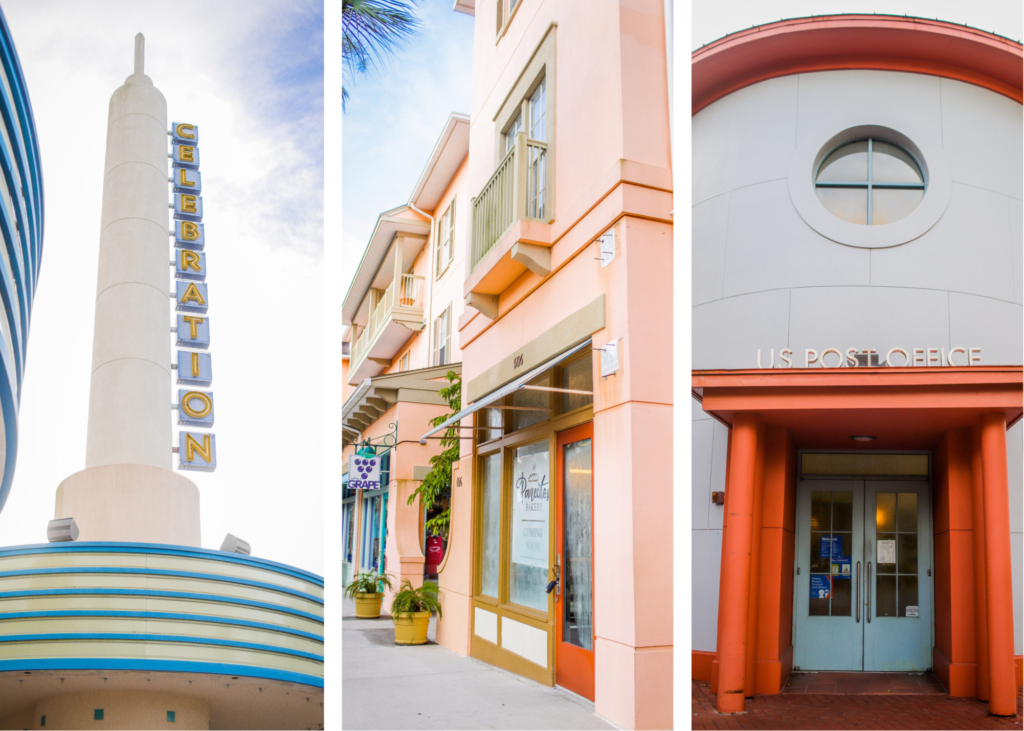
<point x="611" y="94"/>
<point x="455" y="577"/>
<point x="609" y="99"/>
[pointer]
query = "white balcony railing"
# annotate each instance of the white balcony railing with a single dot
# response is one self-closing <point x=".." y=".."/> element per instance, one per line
<point x="516" y="190"/>
<point x="408" y="295"/>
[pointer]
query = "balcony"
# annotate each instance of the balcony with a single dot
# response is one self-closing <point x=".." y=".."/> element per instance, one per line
<point x="511" y="223"/>
<point x="393" y="314"/>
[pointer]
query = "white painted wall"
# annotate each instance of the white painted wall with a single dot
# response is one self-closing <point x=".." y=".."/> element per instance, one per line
<point x="763" y="278"/>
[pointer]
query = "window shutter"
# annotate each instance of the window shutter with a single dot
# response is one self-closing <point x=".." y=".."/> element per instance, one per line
<point x="448" y="335"/>
<point x="437" y="251"/>
<point x="433" y="347"/>
<point x="451" y="232"/>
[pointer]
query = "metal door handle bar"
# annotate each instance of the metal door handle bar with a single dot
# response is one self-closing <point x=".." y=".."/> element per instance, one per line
<point x="868" y="602"/>
<point x="858" y="591"/>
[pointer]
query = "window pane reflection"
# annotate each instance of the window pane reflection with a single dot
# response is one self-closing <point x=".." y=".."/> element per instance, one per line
<point x="490" y="524"/>
<point x="528" y="573"/>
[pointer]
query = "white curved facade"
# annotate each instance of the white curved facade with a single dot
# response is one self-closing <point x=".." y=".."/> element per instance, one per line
<point x="765" y="278"/>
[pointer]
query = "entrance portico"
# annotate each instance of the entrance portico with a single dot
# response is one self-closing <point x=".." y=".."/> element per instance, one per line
<point x="959" y="415"/>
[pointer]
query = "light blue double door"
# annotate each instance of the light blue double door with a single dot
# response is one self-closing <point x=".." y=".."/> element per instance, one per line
<point x="863" y="576"/>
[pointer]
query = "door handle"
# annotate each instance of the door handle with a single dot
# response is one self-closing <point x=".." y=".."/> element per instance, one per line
<point x="858" y="591"/>
<point x="868" y="602"/>
<point x="555" y="583"/>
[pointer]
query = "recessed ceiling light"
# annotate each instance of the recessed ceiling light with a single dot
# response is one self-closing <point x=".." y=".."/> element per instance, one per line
<point x="862" y="438"/>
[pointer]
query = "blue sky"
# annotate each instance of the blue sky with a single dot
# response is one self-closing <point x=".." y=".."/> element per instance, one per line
<point x="393" y="118"/>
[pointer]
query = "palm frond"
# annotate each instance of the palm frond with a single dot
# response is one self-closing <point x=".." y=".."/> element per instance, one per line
<point x="372" y="30"/>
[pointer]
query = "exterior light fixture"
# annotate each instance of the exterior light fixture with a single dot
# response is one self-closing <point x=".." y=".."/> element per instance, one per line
<point x="234" y="544"/>
<point x="862" y="438"/>
<point x="62" y="529"/>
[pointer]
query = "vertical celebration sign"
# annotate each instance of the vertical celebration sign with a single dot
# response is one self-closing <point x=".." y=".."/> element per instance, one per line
<point x="196" y="450"/>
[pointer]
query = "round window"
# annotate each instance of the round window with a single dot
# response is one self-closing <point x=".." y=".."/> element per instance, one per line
<point x="870" y="182"/>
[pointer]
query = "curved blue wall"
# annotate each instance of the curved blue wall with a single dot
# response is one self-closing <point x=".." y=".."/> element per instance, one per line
<point x="21" y="226"/>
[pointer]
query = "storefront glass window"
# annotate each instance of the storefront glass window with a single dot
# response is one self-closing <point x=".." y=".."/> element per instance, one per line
<point x="348" y="522"/>
<point x="528" y="399"/>
<point x="490" y="418"/>
<point x="578" y="376"/>
<point x="528" y="575"/>
<point x="490" y="537"/>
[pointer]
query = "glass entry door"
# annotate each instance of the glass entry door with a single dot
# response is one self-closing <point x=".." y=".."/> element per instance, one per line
<point x="863" y="578"/>
<point x="574" y="560"/>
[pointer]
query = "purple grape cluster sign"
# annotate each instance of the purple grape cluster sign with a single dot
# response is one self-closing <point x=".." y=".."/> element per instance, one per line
<point x="363" y="473"/>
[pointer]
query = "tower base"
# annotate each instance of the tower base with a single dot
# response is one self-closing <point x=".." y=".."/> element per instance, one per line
<point x="131" y="503"/>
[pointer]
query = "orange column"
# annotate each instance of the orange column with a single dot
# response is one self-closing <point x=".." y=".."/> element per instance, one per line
<point x="734" y="597"/>
<point x="1002" y="672"/>
<point x="980" y="603"/>
<point x="755" y="563"/>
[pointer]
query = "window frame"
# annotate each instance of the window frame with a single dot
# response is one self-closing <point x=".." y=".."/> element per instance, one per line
<point x="445" y="317"/>
<point x="444" y="250"/>
<point x="869" y="184"/>
<point x="505" y="11"/>
<point x="504" y="446"/>
<point x="539" y="69"/>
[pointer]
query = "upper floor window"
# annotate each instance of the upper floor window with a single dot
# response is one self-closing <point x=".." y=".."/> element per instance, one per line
<point x="446" y="239"/>
<point x="534" y="110"/>
<point x="443" y="338"/>
<point x="505" y="9"/>
<point x="404" y="365"/>
<point x="870" y="181"/>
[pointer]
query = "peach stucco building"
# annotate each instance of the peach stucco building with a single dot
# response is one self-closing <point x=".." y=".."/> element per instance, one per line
<point x="559" y="560"/>
<point x="399" y="343"/>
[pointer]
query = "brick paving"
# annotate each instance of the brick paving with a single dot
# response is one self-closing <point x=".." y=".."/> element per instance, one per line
<point x="838" y="711"/>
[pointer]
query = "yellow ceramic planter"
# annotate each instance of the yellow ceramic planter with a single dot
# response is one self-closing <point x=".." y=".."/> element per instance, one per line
<point x="411" y="628"/>
<point x="368" y="605"/>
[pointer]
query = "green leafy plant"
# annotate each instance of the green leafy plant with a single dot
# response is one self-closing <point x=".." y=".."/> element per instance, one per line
<point x="368" y="583"/>
<point x="437" y="485"/>
<point x="409" y="599"/>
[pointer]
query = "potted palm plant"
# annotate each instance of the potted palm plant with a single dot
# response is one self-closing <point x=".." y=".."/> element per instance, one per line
<point x="411" y="609"/>
<point x="368" y="591"/>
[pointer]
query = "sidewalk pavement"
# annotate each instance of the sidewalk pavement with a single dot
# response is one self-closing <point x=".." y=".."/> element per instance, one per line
<point x="388" y="686"/>
<point x="837" y="711"/>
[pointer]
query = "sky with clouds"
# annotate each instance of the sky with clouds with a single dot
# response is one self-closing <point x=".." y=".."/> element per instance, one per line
<point x="250" y="74"/>
<point x="394" y="117"/>
<point x="712" y="19"/>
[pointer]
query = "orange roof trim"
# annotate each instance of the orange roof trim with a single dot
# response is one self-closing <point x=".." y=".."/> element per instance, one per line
<point x="880" y="42"/>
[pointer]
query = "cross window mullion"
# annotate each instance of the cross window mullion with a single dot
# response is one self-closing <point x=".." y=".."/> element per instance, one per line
<point x="869" y="181"/>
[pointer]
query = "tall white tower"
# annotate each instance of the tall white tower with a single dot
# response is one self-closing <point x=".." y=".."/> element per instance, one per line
<point x="128" y="490"/>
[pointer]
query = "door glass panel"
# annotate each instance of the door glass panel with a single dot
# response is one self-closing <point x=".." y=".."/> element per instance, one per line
<point x="528" y="573"/>
<point x="490" y="524"/>
<point x="885" y="602"/>
<point x="578" y="619"/>
<point x="906" y="553"/>
<point x="908" y="596"/>
<point x="908" y="513"/>
<point x="896" y="553"/>
<point x="885" y="512"/>
<point x="830" y="564"/>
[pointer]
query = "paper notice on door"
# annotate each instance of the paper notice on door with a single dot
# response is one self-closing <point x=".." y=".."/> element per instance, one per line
<point x="911" y="611"/>
<point x="887" y="551"/>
